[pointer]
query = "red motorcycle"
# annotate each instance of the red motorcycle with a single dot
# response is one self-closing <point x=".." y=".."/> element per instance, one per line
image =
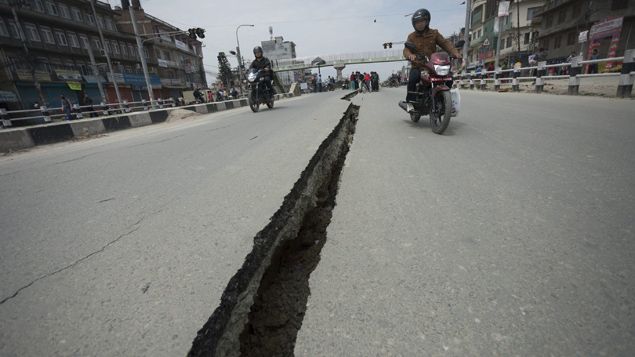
<point x="433" y="91"/>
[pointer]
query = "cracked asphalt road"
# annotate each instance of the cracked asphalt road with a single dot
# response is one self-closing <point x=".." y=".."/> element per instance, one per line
<point x="122" y="245"/>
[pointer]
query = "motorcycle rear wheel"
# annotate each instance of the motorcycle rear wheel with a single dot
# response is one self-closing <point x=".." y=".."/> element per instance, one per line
<point x="440" y="118"/>
<point x="414" y="116"/>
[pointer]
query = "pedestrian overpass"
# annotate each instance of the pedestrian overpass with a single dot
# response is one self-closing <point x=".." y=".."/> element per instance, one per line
<point x="338" y="62"/>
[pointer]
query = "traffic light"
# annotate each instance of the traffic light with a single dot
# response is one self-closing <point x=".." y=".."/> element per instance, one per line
<point x="387" y="45"/>
<point x="192" y="34"/>
<point x="196" y="32"/>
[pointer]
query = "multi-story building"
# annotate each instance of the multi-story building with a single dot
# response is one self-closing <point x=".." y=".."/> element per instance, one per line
<point x="279" y="49"/>
<point x="515" y="31"/>
<point x="519" y="31"/>
<point x="46" y="48"/>
<point x="564" y="22"/>
<point x="176" y="58"/>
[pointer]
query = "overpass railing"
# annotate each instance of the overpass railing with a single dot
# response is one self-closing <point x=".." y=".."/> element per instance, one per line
<point x="538" y="74"/>
<point x="339" y="59"/>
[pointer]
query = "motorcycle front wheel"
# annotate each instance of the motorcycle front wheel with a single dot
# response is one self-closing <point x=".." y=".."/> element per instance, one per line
<point x="414" y="116"/>
<point x="270" y="103"/>
<point x="440" y="118"/>
<point x="253" y="103"/>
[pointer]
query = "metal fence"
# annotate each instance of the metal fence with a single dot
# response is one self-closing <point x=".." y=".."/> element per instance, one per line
<point x="43" y="114"/>
<point x="538" y="74"/>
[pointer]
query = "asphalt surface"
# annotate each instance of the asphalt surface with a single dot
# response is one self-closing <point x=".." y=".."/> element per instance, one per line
<point x="129" y="239"/>
<point x="510" y="235"/>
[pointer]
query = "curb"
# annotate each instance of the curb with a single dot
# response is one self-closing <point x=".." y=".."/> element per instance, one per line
<point x="43" y="134"/>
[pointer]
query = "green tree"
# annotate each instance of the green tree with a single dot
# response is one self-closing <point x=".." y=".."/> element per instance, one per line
<point x="224" y="71"/>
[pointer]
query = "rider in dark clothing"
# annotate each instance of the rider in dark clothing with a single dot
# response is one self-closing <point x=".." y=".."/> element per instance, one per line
<point x="263" y="64"/>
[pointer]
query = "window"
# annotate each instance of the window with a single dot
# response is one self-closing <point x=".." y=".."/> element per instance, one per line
<point x="77" y="14"/>
<point x="4" y="32"/>
<point x="145" y="53"/>
<point x="61" y="38"/>
<point x="133" y="51"/>
<point x="532" y="11"/>
<point x="562" y="16"/>
<point x="124" y="49"/>
<point x="526" y="40"/>
<point x="84" y="40"/>
<point x="548" y="21"/>
<point x="557" y="42"/>
<point x="37" y="6"/>
<point x="509" y="42"/>
<point x="31" y="32"/>
<point x="115" y="47"/>
<point x="100" y="21"/>
<point x="90" y="18"/>
<point x="110" y="25"/>
<point x="64" y="12"/>
<point x="571" y="37"/>
<point x="47" y="34"/>
<point x="97" y="44"/>
<point x="575" y="11"/>
<point x="477" y="16"/>
<point x="51" y="8"/>
<point x="619" y="4"/>
<point x="72" y="39"/>
<point x="13" y="30"/>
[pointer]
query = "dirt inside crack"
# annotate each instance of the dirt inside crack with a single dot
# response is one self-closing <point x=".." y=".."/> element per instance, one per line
<point x="263" y="306"/>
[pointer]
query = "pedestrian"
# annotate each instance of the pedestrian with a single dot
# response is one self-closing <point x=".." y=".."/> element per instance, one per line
<point x="319" y="82"/>
<point x="353" y="81"/>
<point x="88" y="102"/>
<point x="66" y="108"/>
<point x="367" y="81"/>
<point x="593" y="67"/>
<point x="360" y="81"/>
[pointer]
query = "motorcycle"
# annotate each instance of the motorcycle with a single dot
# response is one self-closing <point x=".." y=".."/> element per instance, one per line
<point x="260" y="93"/>
<point x="433" y="91"/>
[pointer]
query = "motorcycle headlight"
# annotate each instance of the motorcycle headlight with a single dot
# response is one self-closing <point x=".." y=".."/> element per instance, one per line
<point x="442" y="70"/>
<point x="251" y="76"/>
<point x="425" y="74"/>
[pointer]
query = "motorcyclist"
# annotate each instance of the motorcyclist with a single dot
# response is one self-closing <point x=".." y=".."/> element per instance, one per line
<point x="263" y="64"/>
<point x="425" y="40"/>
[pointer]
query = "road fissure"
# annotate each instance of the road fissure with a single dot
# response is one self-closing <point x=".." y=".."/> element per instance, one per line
<point x="263" y="305"/>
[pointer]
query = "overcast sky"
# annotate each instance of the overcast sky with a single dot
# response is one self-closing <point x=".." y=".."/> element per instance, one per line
<point x="318" y="27"/>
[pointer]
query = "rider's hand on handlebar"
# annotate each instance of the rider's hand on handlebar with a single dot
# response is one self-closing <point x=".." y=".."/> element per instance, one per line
<point x="412" y="57"/>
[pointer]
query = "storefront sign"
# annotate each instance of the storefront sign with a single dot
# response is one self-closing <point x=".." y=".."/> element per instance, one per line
<point x="94" y="79"/>
<point x="8" y="97"/>
<point x="606" y="28"/>
<point x="64" y="74"/>
<point x="503" y="8"/>
<point x="25" y="75"/>
<point x="74" y="85"/>
<point x="583" y="36"/>
<point x="181" y="45"/>
<point x="139" y="80"/>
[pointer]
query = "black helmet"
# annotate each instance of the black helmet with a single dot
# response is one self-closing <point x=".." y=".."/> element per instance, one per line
<point x="257" y="49"/>
<point x="421" y="14"/>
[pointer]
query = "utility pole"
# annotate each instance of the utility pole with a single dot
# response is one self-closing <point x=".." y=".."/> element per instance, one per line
<point x="466" y="35"/>
<point x="103" y="43"/>
<point x="95" y="70"/>
<point x="144" y="64"/>
<point x="24" y="40"/>
<point x="518" y="24"/>
<point x="239" y="57"/>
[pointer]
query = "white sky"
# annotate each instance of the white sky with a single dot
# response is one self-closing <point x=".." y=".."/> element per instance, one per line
<point x="321" y="27"/>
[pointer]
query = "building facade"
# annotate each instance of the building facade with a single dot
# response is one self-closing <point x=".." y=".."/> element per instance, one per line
<point x="279" y="49"/>
<point x="50" y="48"/>
<point x="564" y="22"/>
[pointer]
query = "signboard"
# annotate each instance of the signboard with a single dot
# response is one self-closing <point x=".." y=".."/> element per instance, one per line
<point x="139" y="80"/>
<point x="8" y="97"/>
<point x="74" y="85"/>
<point x="181" y="45"/>
<point x="486" y="42"/>
<point x="25" y="75"/>
<point x="503" y="8"/>
<point x="68" y="75"/>
<point x="118" y="77"/>
<point x="583" y="36"/>
<point x="93" y="79"/>
<point x="606" y="28"/>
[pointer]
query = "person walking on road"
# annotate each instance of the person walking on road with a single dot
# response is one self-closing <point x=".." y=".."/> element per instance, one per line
<point x="66" y="108"/>
<point x="593" y="67"/>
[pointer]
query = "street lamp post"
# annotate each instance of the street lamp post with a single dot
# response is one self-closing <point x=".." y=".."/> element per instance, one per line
<point x="240" y="61"/>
